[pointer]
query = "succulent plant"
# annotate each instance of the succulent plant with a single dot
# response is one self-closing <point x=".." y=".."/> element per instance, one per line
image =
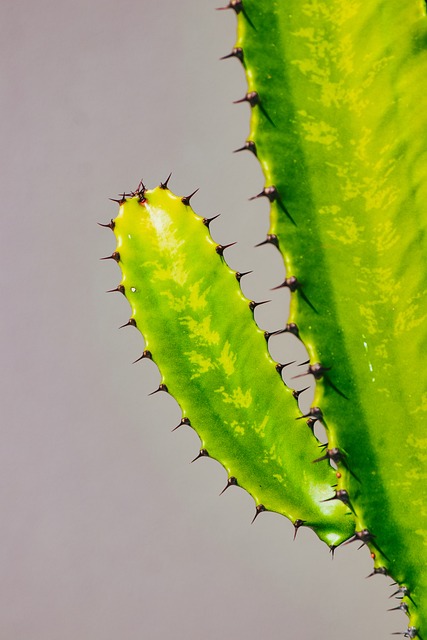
<point x="337" y="97"/>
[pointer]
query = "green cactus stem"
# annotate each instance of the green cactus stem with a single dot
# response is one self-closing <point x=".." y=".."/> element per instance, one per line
<point x="200" y="331"/>
<point x="337" y="93"/>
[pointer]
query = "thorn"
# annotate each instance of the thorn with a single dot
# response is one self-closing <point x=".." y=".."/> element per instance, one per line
<point x="258" y="509"/>
<point x="280" y="367"/>
<point x="119" y="201"/>
<point x="403" y="590"/>
<point x="236" y="52"/>
<point x="341" y="494"/>
<point x="269" y="192"/>
<point x="253" y="305"/>
<point x="239" y="275"/>
<point x="220" y="248"/>
<point x="291" y="327"/>
<point x="232" y="481"/>
<point x="207" y="221"/>
<point x="202" y="454"/>
<point x="331" y="454"/>
<point x="145" y="354"/>
<point x="186" y="199"/>
<point x="297" y="524"/>
<point x="270" y="239"/>
<point x="139" y="191"/>
<point x="411" y="632"/>
<point x="164" y="185"/>
<point x="236" y="5"/>
<point x="317" y="370"/>
<point x="248" y="146"/>
<point x="252" y="97"/>
<point x="310" y="424"/>
<point x="291" y="283"/>
<point x="130" y="323"/>
<point x="114" y="256"/>
<point x="402" y="607"/>
<point x="183" y="421"/>
<point x="110" y="225"/>
<point x="161" y="387"/>
<point x="379" y="571"/>
<point x="297" y="394"/>
<point x="315" y="412"/>
<point x="363" y="536"/>
<point x="120" y="288"/>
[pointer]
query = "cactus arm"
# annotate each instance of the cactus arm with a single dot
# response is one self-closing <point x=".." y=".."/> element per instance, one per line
<point x="338" y="104"/>
<point x="199" y="329"/>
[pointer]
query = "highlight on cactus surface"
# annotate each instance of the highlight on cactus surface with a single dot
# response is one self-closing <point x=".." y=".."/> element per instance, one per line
<point x="337" y="100"/>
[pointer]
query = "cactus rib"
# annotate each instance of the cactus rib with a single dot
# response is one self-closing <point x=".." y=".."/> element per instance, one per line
<point x="338" y="120"/>
<point x="199" y="329"/>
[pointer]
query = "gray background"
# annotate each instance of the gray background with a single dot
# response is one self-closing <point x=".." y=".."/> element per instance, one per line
<point x="107" y="531"/>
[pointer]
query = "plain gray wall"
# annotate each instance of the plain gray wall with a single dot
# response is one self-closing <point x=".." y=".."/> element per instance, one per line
<point x="107" y="531"/>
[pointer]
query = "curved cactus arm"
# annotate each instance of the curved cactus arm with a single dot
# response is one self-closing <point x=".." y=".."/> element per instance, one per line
<point x="199" y="329"/>
<point x="338" y="121"/>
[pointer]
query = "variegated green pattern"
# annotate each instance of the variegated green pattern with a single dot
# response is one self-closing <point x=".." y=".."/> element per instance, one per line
<point x="339" y="122"/>
<point x="199" y="329"/>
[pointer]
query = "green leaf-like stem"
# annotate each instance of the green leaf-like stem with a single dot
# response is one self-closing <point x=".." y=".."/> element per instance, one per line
<point x="199" y="329"/>
<point x="340" y="130"/>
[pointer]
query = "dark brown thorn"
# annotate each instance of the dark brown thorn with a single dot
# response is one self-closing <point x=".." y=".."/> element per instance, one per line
<point x="236" y="5"/>
<point x="232" y="481"/>
<point x="164" y="185"/>
<point x="114" y="256"/>
<point x="186" y="199"/>
<point x="220" y="248"/>
<point x="251" y="97"/>
<point x="403" y="590"/>
<point x="331" y="454"/>
<point x="270" y="239"/>
<point x="317" y="370"/>
<point x="120" y="288"/>
<point x="130" y="323"/>
<point x="239" y="274"/>
<point x="207" y="221"/>
<point x="411" y="632"/>
<point x="291" y="327"/>
<point x="145" y="354"/>
<point x="291" y="283"/>
<point x="401" y="607"/>
<point x="258" y="509"/>
<point x="183" y="421"/>
<point x="268" y="192"/>
<point x="161" y="387"/>
<point x="311" y="424"/>
<point x="253" y="305"/>
<point x="202" y="454"/>
<point x="236" y="52"/>
<point x="119" y="201"/>
<point x="297" y="524"/>
<point x="110" y="225"/>
<point x="363" y="536"/>
<point x="341" y="494"/>
<point x="378" y="571"/>
<point x="296" y="393"/>
<point x="280" y="367"/>
<point x="315" y="412"/>
<point x="248" y="146"/>
<point x="139" y="191"/>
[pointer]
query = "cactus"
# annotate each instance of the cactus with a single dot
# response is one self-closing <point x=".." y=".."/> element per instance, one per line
<point x="337" y="98"/>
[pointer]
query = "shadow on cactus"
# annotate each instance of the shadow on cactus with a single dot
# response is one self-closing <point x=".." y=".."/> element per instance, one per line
<point x="337" y="98"/>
